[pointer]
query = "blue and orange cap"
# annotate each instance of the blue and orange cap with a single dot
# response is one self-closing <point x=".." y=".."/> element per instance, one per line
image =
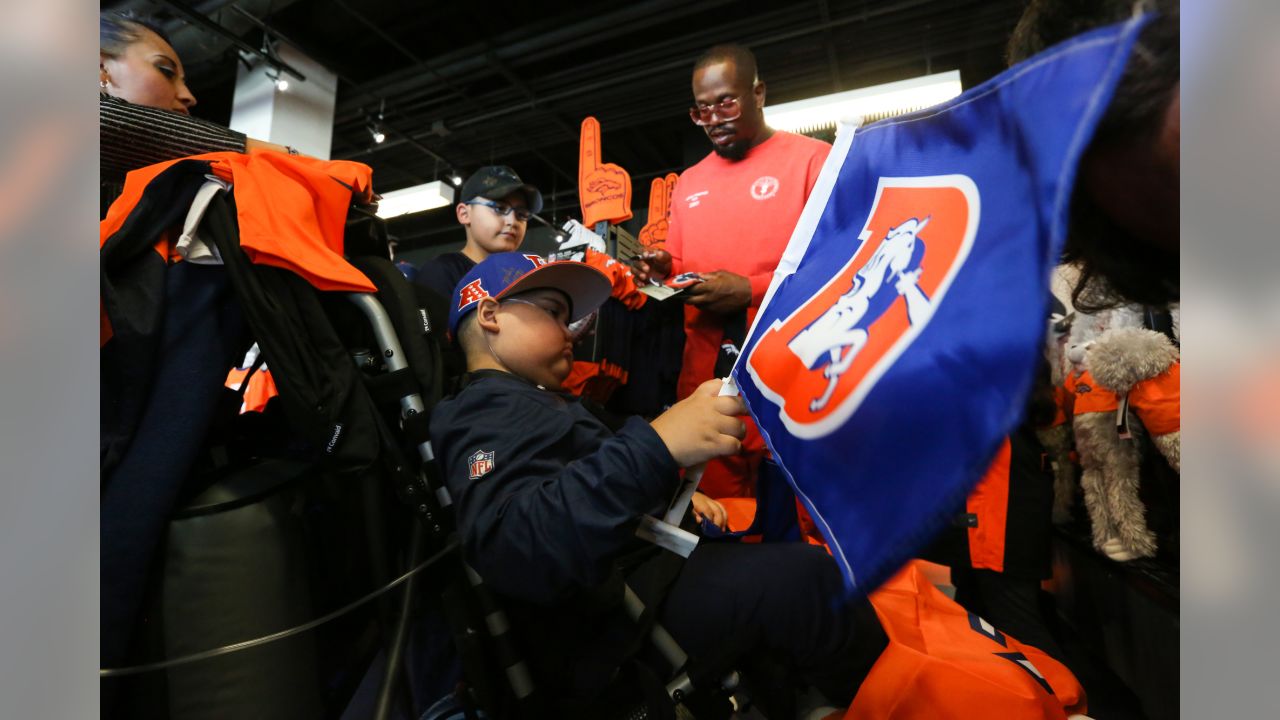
<point x="504" y="274"/>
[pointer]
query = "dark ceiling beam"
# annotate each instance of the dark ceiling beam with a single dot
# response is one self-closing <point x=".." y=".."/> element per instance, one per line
<point x="757" y="25"/>
<point x="647" y="147"/>
<point x="530" y="96"/>
<point x="620" y="69"/>
<point x="419" y="61"/>
<point x="869" y="70"/>
<point x="519" y="44"/>
<point x="510" y="134"/>
<point x="632" y="62"/>
<point x="638" y="71"/>
<point x="824" y="14"/>
<point x="619" y="81"/>
<point x="382" y="35"/>
<point x="199" y="19"/>
<point x="653" y="111"/>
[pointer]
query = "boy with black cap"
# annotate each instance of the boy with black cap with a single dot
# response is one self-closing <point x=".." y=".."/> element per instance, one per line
<point x="494" y="206"/>
<point x="548" y="499"/>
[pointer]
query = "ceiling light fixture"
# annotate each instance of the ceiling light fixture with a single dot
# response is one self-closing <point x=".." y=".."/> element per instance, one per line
<point x="866" y="104"/>
<point x="414" y="199"/>
<point x="275" y="76"/>
<point x="456" y="179"/>
<point x="375" y="126"/>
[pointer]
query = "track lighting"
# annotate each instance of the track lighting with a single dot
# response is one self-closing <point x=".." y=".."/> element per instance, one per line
<point x="274" y="75"/>
<point x="375" y="125"/>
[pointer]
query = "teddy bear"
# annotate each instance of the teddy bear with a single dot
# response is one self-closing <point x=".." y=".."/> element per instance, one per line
<point x="1123" y="386"/>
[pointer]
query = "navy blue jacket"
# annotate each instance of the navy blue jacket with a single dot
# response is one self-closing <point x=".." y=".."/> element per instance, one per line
<point x="443" y="272"/>
<point x="551" y="513"/>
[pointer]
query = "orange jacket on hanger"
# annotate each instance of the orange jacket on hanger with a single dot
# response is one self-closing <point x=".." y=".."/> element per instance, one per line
<point x="943" y="662"/>
<point x="292" y="211"/>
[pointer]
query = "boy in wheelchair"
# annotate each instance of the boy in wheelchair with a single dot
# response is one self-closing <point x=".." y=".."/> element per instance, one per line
<point x="548" y="498"/>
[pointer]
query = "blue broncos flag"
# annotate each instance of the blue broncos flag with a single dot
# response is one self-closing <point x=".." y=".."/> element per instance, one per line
<point x="897" y="342"/>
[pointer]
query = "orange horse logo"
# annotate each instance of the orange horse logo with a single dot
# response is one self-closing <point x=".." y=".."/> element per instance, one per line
<point x="820" y="362"/>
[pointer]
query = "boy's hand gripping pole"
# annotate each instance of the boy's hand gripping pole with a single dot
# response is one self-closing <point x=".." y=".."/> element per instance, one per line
<point x="665" y="531"/>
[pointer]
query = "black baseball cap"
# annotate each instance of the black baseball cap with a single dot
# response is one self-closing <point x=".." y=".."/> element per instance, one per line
<point x="495" y="182"/>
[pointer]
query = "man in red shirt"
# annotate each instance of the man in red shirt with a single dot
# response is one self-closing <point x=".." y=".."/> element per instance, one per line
<point x="731" y="217"/>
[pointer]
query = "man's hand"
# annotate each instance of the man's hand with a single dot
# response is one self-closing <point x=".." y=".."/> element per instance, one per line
<point x="722" y="292"/>
<point x="652" y="264"/>
<point x="704" y="425"/>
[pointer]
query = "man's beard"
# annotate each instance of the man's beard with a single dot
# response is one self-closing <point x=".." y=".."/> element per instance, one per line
<point x="734" y="151"/>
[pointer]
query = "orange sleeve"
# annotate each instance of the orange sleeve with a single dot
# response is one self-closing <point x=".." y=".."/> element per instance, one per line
<point x="623" y="283"/>
<point x="989" y="501"/>
<point x="1157" y="401"/>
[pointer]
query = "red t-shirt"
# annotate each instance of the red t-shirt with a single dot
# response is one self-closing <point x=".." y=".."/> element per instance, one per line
<point x="737" y="216"/>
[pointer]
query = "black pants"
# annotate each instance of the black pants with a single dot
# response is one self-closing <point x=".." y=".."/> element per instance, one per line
<point x="784" y="602"/>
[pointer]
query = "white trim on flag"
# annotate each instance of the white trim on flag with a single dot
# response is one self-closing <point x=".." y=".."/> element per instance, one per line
<point x="809" y="217"/>
<point x="796" y="248"/>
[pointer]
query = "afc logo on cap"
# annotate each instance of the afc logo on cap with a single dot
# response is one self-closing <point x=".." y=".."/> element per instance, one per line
<point x="473" y="292"/>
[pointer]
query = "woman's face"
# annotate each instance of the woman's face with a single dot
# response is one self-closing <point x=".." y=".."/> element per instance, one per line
<point x="147" y="72"/>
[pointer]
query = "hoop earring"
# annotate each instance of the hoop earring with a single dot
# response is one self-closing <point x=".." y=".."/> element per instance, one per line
<point x="102" y="84"/>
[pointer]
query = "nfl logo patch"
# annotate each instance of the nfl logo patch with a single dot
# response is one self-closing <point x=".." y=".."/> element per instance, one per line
<point x="480" y="462"/>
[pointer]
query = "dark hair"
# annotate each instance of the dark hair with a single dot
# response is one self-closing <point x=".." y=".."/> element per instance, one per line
<point x="1115" y="268"/>
<point x="118" y="30"/>
<point x="743" y="59"/>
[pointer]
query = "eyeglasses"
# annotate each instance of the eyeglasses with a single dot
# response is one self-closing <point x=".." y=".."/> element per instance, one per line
<point x="556" y="311"/>
<point x="503" y="210"/>
<point x="727" y="109"/>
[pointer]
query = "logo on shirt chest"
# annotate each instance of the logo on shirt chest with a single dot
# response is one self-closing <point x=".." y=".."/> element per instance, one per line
<point x="480" y="463"/>
<point x="765" y="187"/>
